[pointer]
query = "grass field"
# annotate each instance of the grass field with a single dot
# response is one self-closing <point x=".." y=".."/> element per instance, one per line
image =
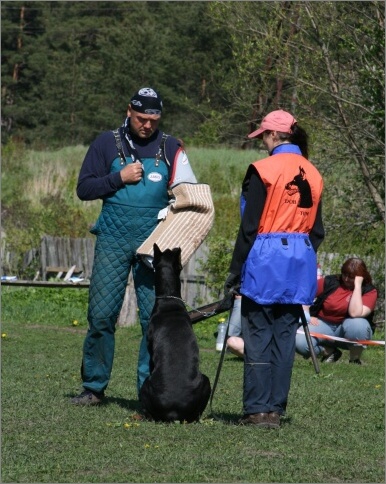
<point x="333" y="431"/>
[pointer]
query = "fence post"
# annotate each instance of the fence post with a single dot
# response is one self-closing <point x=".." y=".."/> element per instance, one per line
<point x="129" y="314"/>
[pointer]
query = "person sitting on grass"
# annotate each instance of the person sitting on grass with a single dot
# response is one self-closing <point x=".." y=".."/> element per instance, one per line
<point x="344" y="307"/>
<point x="235" y="342"/>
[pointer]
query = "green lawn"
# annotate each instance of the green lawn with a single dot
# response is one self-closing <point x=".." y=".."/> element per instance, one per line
<point x="333" y="432"/>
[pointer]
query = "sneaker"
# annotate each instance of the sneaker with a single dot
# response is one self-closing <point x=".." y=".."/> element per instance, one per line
<point x="356" y="362"/>
<point x="87" y="397"/>
<point x="333" y="357"/>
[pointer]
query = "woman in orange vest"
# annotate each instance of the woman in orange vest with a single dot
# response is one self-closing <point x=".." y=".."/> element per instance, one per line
<point x="274" y="263"/>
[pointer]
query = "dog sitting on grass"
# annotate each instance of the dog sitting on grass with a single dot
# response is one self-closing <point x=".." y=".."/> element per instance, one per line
<point x="175" y="389"/>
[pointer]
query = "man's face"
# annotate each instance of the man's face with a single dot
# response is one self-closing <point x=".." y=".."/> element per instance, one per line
<point x="143" y="125"/>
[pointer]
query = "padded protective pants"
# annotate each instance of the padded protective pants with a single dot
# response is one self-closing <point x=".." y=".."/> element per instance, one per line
<point x="115" y="256"/>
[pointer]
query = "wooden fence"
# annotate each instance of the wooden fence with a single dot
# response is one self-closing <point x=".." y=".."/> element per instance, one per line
<point x="60" y="254"/>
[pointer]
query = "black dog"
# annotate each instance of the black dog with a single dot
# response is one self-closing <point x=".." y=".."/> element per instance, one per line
<point x="175" y="389"/>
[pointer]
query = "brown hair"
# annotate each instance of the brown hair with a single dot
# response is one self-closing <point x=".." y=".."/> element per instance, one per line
<point x="356" y="267"/>
<point x="298" y="136"/>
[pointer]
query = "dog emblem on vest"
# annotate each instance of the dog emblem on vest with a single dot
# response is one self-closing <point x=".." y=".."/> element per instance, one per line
<point x="300" y="184"/>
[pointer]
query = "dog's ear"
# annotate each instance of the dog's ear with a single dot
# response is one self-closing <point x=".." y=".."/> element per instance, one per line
<point x="156" y="250"/>
<point x="177" y="253"/>
<point x="177" y="250"/>
<point x="177" y="257"/>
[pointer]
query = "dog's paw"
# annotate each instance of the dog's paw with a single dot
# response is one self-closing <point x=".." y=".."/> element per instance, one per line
<point x="138" y="417"/>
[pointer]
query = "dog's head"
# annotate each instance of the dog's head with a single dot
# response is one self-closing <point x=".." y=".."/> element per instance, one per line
<point x="167" y="258"/>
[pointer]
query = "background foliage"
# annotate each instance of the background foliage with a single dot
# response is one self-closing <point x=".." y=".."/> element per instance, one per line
<point x="44" y="202"/>
<point x="69" y="69"/>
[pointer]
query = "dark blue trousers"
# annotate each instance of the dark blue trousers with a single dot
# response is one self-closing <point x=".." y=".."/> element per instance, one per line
<point x="269" y="334"/>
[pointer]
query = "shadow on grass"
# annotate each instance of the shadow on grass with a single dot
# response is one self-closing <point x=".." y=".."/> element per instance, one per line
<point x="125" y="403"/>
<point x="233" y="419"/>
<point x="225" y="418"/>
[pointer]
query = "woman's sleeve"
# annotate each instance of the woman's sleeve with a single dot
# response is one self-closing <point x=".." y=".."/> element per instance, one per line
<point x="369" y="299"/>
<point x="317" y="232"/>
<point x="254" y="206"/>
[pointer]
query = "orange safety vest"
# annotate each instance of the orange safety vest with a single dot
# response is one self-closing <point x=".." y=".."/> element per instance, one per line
<point x="294" y="188"/>
<point x="281" y="265"/>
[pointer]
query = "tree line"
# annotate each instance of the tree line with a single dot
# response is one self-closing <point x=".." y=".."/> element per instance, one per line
<point x="70" y="68"/>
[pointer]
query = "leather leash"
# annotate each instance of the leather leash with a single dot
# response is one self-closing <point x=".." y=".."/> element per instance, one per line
<point x="224" y="347"/>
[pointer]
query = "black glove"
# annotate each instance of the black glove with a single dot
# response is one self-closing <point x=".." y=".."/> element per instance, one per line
<point x="232" y="284"/>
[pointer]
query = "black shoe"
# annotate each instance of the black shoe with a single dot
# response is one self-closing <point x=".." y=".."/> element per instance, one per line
<point x="356" y="362"/>
<point x="87" y="397"/>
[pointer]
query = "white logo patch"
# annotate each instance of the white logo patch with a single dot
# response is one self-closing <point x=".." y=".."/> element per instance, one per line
<point x="147" y="91"/>
<point x="154" y="176"/>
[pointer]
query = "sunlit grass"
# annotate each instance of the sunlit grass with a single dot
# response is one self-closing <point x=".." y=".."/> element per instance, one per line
<point x="333" y="431"/>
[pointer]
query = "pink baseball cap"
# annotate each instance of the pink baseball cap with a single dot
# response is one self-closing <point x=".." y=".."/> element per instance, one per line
<point x="275" y="121"/>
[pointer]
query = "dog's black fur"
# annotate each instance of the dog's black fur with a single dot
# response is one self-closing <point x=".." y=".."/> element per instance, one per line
<point x="175" y="389"/>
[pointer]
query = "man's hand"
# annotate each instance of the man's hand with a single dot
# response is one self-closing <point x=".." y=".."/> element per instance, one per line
<point x="132" y="173"/>
<point x="232" y="284"/>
